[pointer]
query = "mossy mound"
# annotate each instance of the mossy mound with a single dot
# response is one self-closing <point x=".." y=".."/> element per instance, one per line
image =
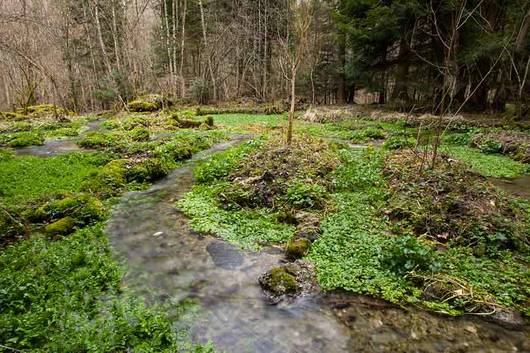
<point x="63" y="226"/>
<point x="148" y="103"/>
<point x="515" y="144"/>
<point x="111" y="179"/>
<point x="186" y="120"/>
<point x="452" y="204"/>
<point x="84" y="209"/>
<point x="139" y="134"/>
<point x="97" y="139"/>
<point x="280" y="177"/>
<point x="297" y="248"/>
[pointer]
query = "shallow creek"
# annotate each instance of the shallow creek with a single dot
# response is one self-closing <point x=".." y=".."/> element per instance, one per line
<point x="168" y="262"/>
<point x="53" y="147"/>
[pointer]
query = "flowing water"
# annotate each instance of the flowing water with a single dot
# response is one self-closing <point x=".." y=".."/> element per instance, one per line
<point x="168" y="262"/>
<point x="519" y="186"/>
<point x="53" y="147"/>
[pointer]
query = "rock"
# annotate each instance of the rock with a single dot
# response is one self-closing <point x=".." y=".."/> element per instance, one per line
<point x="288" y="281"/>
<point x="505" y="317"/>
<point x="158" y="234"/>
<point x="297" y="248"/>
<point x="307" y="218"/>
<point x="225" y="255"/>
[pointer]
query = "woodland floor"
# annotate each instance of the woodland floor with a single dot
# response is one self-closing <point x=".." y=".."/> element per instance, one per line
<point x="354" y="195"/>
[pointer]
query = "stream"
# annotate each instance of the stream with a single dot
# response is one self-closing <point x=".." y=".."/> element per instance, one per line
<point x="168" y="262"/>
<point x="53" y="147"/>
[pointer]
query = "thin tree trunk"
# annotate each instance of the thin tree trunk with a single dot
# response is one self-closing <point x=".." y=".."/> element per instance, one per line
<point x="209" y="59"/>
<point x="182" y="45"/>
<point x="100" y="39"/>
<point x="291" y="110"/>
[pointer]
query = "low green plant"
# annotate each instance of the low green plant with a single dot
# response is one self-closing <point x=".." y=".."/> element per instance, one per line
<point x="487" y="164"/>
<point x="25" y="178"/>
<point x="65" y="296"/>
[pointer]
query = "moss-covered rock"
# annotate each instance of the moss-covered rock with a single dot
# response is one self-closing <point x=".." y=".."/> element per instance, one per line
<point x="279" y="281"/>
<point x="96" y="139"/>
<point x="13" y="116"/>
<point x="149" y="169"/>
<point x="63" y="226"/>
<point x="139" y="134"/>
<point x="142" y="106"/>
<point x="148" y="103"/>
<point x="297" y="248"/>
<point x="107" y="181"/>
<point x="84" y="209"/>
<point x="289" y="280"/>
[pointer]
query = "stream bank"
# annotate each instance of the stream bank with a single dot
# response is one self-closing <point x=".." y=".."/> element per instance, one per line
<point x="168" y="262"/>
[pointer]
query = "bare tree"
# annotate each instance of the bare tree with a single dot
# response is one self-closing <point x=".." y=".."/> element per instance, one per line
<point x="293" y="48"/>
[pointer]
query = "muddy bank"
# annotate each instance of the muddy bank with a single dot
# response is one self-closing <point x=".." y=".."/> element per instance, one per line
<point x="168" y="262"/>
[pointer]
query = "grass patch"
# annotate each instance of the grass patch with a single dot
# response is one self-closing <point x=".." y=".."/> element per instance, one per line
<point x="248" y="229"/>
<point x="64" y="296"/>
<point x="490" y="165"/>
<point x="25" y="178"/>
<point x="245" y="122"/>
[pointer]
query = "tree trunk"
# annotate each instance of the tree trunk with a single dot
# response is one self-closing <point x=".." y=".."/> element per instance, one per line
<point x="182" y="45"/>
<point x="209" y="59"/>
<point x="341" y="92"/>
<point x="291" y="110"/>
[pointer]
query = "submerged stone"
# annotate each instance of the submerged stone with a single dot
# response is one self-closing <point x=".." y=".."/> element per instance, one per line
<point x="225" y="255"/>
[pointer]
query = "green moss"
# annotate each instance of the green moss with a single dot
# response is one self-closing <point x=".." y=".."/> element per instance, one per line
<point x="279" y="281"/>
<point x="107" y="181"/>
<point x="297" y="248"/>
<point x="13" y="116"/>
<point x="143" y="106"/>
<point x="149" y="169"/>
<point x="62" y="226"/>
<point x="84" y="209"/>
<point x="41" y="110"/>
<point x="96" y="139"/>
<point x="19" y="126"/>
